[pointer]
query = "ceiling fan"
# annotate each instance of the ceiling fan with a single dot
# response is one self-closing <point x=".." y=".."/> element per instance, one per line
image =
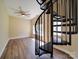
<point x="21" y="12"/>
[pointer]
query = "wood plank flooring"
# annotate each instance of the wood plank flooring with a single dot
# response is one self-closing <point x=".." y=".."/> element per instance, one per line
<point x="24" y="49"/>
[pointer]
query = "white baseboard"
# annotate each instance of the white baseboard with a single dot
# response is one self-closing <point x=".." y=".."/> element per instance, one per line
<point x="17" y="37"/>
<point x="3" y="48"/>
<point x="72" y="54"/>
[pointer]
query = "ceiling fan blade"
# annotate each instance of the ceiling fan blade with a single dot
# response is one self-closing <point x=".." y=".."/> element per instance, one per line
<point x="27" y="15"/>
<point x="17" y="12"/>
<point x="27" y="11"/>
<point x="20" y="8"/>
<point x="14" y="9"/>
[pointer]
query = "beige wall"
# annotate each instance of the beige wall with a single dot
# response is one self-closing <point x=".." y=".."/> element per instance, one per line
<point x="3" y="26"/>
<point x="19" y="27"/>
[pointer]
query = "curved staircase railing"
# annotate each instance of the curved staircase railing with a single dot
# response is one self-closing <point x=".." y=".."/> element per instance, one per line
<point x="55" y="26"/>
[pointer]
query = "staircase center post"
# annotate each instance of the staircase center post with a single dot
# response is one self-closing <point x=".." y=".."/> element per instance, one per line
<point x="51" y="10"/>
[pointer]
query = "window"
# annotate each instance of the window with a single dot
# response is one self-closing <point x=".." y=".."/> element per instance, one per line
<point x="41" y="29"/>
<point x="57" y="28"/>
<point x="33" y="30"/>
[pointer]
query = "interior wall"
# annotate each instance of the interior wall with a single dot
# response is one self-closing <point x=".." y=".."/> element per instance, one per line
<point x="4" y="23"/>
<point x="19" y="27"/>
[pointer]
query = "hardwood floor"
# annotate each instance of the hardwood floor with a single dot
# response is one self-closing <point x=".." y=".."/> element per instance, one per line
<point x="24" y="49"/>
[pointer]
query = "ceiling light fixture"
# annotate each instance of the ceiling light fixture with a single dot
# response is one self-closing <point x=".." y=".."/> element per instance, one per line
<point x="20" y="11"/>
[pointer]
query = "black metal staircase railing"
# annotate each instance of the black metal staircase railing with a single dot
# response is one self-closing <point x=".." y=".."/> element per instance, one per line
<point x="42" y="34"/>
<point x="56" y="25"/>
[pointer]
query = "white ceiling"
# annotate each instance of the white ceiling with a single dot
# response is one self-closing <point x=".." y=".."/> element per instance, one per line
<point x="30" y="5"/>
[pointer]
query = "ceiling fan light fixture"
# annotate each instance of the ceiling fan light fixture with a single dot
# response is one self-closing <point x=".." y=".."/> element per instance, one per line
<point x="21" y="12"/>
<point x="23" y="15"/>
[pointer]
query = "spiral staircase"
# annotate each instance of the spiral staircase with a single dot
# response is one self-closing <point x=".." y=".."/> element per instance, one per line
<point x="55" y="25"/>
